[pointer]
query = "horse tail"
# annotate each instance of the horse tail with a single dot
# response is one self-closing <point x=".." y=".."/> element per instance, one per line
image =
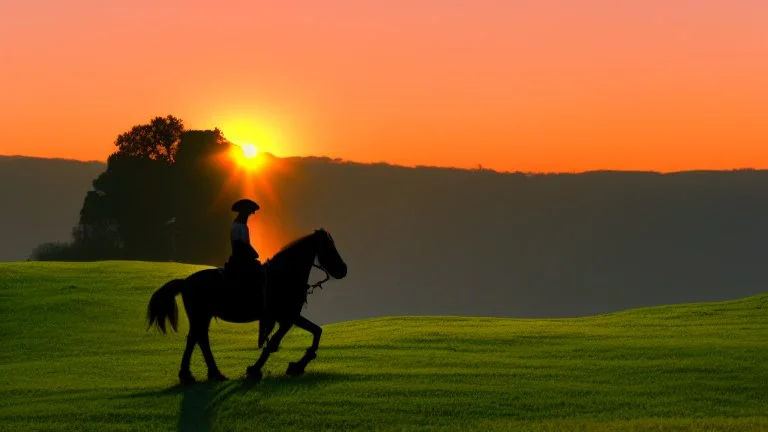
<point x="162" y="306"/>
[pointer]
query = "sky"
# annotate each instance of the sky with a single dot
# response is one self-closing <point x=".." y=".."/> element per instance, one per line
<point x="663" y="85"/>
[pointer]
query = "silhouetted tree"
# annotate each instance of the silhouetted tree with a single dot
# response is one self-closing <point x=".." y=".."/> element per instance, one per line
<point x="157" y="140"/>
<point x="125" y="214"/>
<point x="164" y="195"/>
<point x="53" y="251"/>
<point x="132" y="197"/>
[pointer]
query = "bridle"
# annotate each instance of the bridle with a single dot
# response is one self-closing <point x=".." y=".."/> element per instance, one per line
<point x="319" y="284"/>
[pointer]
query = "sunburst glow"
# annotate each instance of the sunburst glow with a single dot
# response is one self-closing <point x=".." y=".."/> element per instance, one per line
<point x="254" y="139"/>
<point x="255" y="142"/>
<point x="255" y="135"/>
<point x="251" y="175"/>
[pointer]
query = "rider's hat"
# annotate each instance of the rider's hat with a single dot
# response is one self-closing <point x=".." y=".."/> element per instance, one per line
<point x="245" y="206"/>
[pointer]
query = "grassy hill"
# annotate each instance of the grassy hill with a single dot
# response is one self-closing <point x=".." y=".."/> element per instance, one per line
<point x="75" y="356"/>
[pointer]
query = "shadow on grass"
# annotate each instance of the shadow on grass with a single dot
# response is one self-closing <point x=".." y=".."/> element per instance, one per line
<point x="200" y="401"/>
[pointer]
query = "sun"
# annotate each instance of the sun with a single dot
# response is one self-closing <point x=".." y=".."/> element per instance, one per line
<point x="247" y="156"/>
<point x="250" y="151"/>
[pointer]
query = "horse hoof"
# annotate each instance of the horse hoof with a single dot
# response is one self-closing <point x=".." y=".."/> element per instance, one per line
<point x="217" y="377"/>
<point x="295" y="369"/>
<point x="186" y="378"/>
<point x="253" y="373"/>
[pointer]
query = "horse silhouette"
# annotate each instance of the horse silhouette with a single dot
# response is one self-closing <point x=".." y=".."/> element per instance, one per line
<point x="206" y="295"/>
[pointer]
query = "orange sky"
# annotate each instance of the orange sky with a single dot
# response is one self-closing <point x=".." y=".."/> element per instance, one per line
<point x="518" y="85"/>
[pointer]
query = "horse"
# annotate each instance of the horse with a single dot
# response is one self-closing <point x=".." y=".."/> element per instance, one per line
<point x="206" y="295"/>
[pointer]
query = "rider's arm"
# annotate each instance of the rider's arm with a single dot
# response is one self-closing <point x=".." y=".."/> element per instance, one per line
<point x="245" y="250"/>
<point x="253" y="251"/>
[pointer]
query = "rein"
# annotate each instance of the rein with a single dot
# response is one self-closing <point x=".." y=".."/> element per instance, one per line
<point x="319" y="284"/>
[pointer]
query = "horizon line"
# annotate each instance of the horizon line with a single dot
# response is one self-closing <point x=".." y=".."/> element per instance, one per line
<point x="480" y="168"/>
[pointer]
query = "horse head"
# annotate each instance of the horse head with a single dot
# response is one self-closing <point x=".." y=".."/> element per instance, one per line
<point x="328" y="256"/>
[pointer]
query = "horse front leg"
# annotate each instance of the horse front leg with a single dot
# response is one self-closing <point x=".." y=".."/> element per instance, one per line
<point x="297" y="368"/>
<point x="254" y="371"/>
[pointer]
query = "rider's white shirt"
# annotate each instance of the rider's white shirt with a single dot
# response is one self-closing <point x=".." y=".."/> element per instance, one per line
<point x="240" y="232"/>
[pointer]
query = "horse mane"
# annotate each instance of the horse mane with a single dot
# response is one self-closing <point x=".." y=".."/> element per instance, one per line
<point x="292" y="244"/>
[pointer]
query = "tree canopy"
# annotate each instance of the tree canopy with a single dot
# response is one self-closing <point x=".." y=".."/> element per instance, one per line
<point x="159" y="140"/>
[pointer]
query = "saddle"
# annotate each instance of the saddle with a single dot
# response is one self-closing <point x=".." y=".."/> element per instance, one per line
<point x="246" y="280"/>
<point x="243" y="275"/>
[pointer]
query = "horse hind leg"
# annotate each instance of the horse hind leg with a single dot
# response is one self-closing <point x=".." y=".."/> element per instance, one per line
<point x="185" y="374"/>
<point x="205" y="346"/>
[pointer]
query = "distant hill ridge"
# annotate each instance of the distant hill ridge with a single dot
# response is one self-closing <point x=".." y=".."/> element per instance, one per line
<point x="429" y="240"/>
<point x="41" y="200"/>
<point x="480" y="168"/>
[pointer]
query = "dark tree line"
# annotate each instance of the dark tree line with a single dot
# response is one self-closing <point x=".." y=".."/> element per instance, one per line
<point x="163" y="196"/>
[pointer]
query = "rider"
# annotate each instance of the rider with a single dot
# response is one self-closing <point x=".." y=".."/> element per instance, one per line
<point x="245" y="259"/>
<point x="242" y="251"/>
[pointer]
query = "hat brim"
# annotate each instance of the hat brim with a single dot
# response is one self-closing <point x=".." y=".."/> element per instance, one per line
<point x="245" y="206"/>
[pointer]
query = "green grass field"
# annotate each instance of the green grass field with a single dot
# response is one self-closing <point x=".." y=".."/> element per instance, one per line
<point x="75" y="356"/>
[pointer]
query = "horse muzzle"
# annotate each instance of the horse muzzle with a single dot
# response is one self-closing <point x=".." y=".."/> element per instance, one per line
<point x="340" y="272"/>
